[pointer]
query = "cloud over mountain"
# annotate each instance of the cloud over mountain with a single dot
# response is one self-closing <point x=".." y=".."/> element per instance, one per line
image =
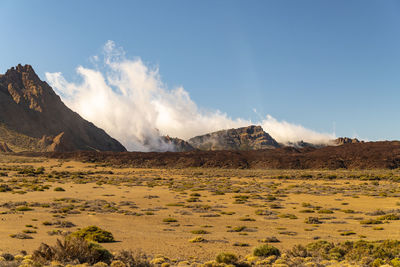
<point x="127" y="98"/>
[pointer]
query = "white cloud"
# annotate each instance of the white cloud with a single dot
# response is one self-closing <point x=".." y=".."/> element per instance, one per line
<point x="130" y="102"/>
<point x="286" y="132"/>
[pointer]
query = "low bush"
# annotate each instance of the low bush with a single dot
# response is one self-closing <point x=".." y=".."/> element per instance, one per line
<point x="371" y="221"/>
<point x="200" y="232"/>
<point x="59" y="189"/>
<point x="94" y="233"/>
<point x="197" y="239"/>
<point x="227" y="258"/>
<point x="266" y="251"/>
<point x="132" y="259"/>
<point x="23" y="208"/>
<point x="72" y="250"/>
<point x="168" y="220"/>
<point x="312" y="220"/>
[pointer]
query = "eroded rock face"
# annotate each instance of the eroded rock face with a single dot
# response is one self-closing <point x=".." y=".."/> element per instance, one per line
<point x="30" y="107"/>
<point x="57" y="143"/>
<point x="245" y="138"/>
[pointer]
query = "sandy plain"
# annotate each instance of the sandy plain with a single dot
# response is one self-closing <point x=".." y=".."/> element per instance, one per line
<point x="232" y="210"/>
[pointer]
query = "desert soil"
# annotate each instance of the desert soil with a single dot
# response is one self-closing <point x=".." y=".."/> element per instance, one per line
<point x="238" y="209"/>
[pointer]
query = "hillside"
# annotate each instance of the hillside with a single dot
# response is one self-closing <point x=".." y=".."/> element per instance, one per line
<point x="33" y="118"/>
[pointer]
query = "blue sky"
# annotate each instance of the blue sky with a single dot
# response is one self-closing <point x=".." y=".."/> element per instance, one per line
<point x="321" y="64"/>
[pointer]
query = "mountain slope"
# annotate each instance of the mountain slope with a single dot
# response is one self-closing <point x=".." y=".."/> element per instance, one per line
<point x="33" y="118"/>
<point x="245" y="138"/>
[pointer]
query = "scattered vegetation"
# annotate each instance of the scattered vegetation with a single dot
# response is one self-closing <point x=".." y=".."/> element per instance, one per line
<point x="255" y="205"/>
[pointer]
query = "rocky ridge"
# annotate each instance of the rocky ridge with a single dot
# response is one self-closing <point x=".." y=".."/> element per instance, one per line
<point x="244" y="138"/>
<point x="346" y="140"/>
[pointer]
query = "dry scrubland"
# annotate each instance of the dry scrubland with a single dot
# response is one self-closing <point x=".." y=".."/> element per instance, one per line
<point x="189" y="216"/>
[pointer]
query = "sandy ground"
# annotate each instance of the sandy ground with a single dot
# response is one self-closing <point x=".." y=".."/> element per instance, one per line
<point x="151" y="235"/>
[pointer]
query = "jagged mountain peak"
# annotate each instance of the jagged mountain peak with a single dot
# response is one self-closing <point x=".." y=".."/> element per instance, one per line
<point x="30" y="112"/>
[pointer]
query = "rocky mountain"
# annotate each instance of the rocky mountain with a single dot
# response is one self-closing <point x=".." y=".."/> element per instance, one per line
<point x="33" y="118"/>
<point x="245" y="138"/>
<point x="345" y="140"/>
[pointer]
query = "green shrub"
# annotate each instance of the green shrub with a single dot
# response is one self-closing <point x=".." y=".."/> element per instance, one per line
<point x="371" y="221"/>
<point x="170" y="220"/>
<point x="260" y="212"/>
<point x="72" y="249"/>
<point x="246" y="219"/>
<point x="325" y="211"/>
<point x="59" y="189"/>
<point x="197" y="239"/>
<point x="28" y="231"/>
<point x="117" y="263"/>
<point x="270" y="198"/>
<point x="307" y="211"/>
<point x="94" y="233"/>
<point x="266" y="250"/>
<point x="23" y="208"/>
<point x="132" y="259"/>
<point x="347" y="233"/>
<point x="395" y="262"/>
<point x="227" y="258"/>
<point x="288" y="215"/>
<point x="389" y="217"/>
<point x="237" y="229"/>
<point x="240" y="244"/>
<point x="347" y="211"/>
<point x="312" y="220"/>
<point x="200" y="232"/>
